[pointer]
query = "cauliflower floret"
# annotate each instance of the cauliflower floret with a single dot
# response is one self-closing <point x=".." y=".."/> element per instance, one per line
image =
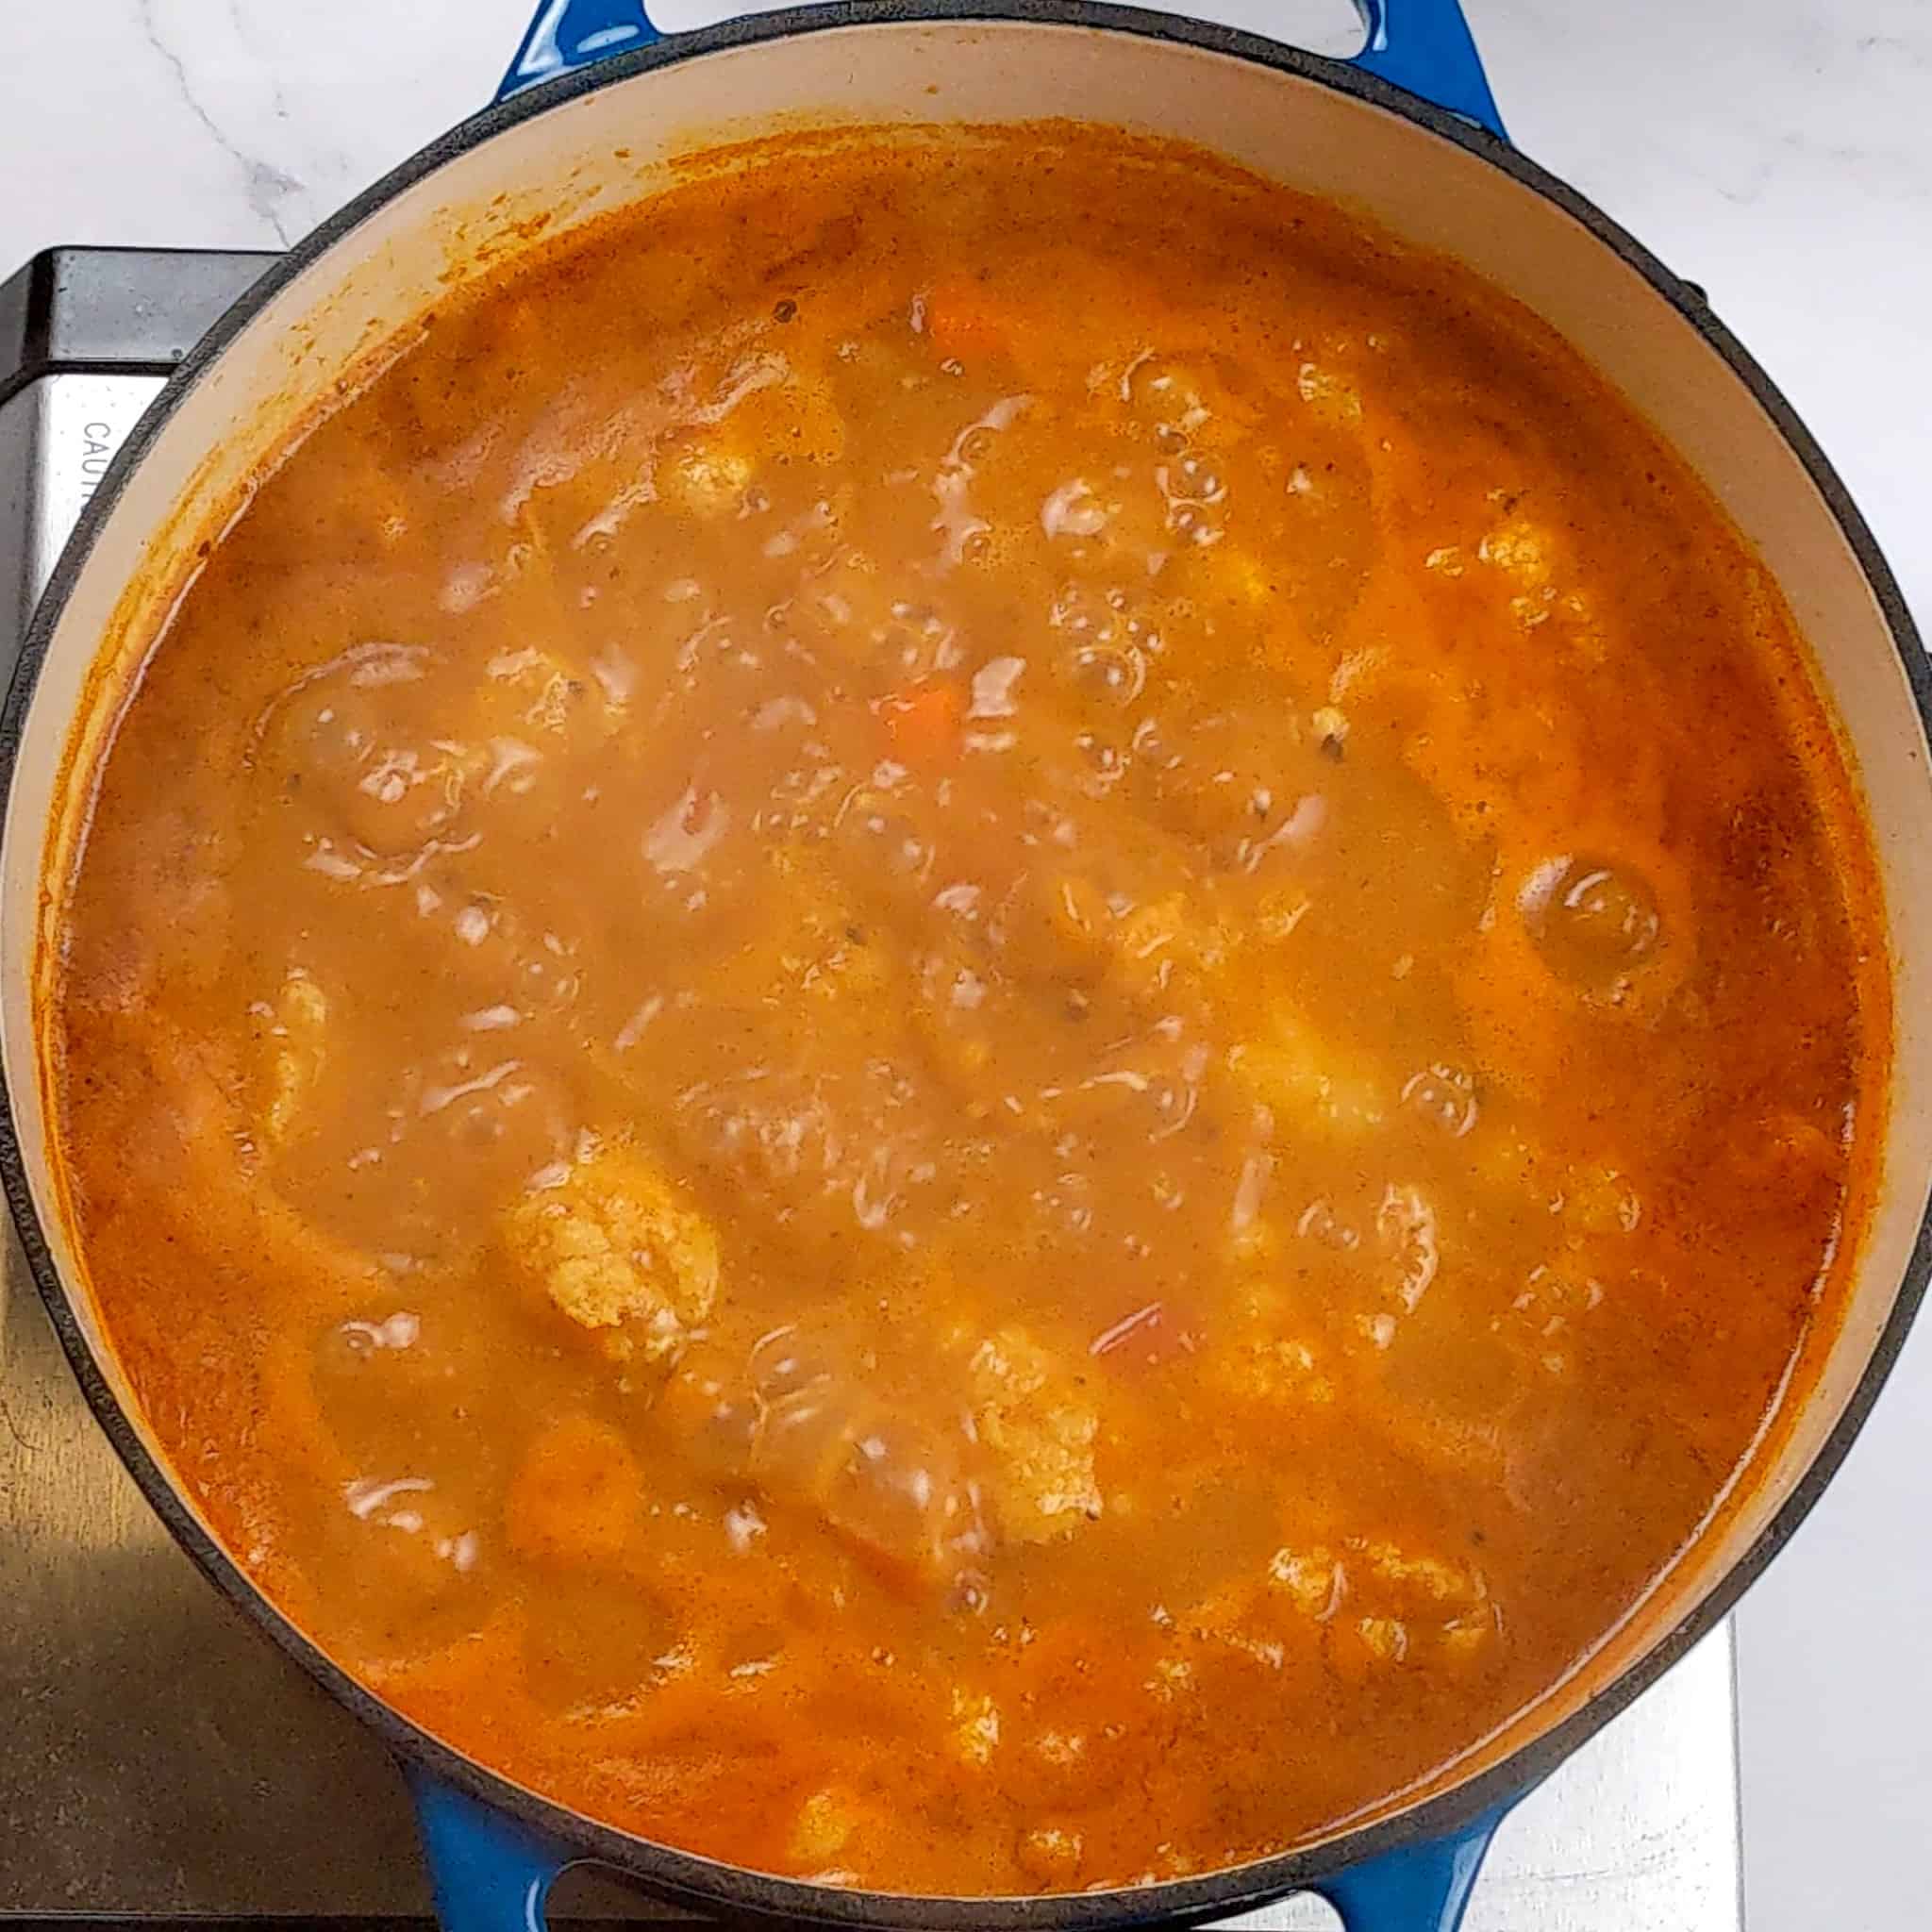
<point x="1171" y="1677"/>
<point x="706" y="479"/>
<point x="1264" y="1360"/>
<point x="975" y="1729"/>
<point x="1329" y="394"/>
<point x="1440" y="1581"/>
<point x="529" y="690"/>
<point x="1385" y="1604"/>
<point x="1521" y="549"/>
<point x="826" y="1824"/>
<point x="1405" y="1232"/>
<point x="1417" y="1602"/>
<point x="1392" y="1255"/>
<point x="1385" y="1639"/>
<point x="1366" y="1604"/>
<point x="1040" y="1434"/>
<point x="1596" y="1199"/>
<point x="1308" y="1080"/>
<point x="767" y="407"/>
<point x="296" y="1029"/>
<point x="1528" y="555"/>
<point x="1311" y="1579"/>
<point x="621" y="1250"/>
<point x="1542" y="1318"/>
<point x="1160" y="939"/>
<point x="1050" y="1856"/>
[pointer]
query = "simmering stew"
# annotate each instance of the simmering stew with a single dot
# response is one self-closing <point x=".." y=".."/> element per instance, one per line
<point x="984" y="1016"/>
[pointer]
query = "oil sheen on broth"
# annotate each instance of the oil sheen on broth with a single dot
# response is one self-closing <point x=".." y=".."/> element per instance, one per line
<point x="982" y="1019"/>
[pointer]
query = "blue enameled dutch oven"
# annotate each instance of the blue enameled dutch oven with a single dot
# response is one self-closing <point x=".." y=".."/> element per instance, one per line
<point x="594" y="107"/>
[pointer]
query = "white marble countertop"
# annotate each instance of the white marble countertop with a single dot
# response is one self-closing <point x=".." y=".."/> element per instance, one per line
<point x="1779" y="152"/>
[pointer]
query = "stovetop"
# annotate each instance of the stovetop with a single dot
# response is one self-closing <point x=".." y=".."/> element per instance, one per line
<point x="159" y="1760"/>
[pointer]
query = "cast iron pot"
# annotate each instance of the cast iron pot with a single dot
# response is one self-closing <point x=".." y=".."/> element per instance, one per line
<point x="592" y="109"/>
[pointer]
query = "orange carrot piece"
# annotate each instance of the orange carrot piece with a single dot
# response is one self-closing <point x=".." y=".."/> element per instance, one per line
<point x="925" y="722"/>
<point x="965" y="319"/>
<point x="576" y="1497"/>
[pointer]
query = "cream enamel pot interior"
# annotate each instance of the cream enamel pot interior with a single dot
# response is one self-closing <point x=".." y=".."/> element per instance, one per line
<point x="590" y="141"/>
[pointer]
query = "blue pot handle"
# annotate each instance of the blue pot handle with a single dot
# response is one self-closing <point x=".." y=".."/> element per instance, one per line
<point x="488" y="1871"/>
<point x="569" y="34"/>
<point x="1423" y="45"/>
<point x="491" y="1874"/>
<point x="1420" y="1888"/>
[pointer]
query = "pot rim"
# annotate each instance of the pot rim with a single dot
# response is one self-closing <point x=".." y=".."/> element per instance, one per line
<point x="687" y="1877"/>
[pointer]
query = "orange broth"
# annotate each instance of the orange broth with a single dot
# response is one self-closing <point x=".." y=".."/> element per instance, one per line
<point x="983" y="1016"/>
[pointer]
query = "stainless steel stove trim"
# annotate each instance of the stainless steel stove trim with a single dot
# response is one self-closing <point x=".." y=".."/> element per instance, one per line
<point x="114" y="311"/>
<point x="64" y="430"/>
